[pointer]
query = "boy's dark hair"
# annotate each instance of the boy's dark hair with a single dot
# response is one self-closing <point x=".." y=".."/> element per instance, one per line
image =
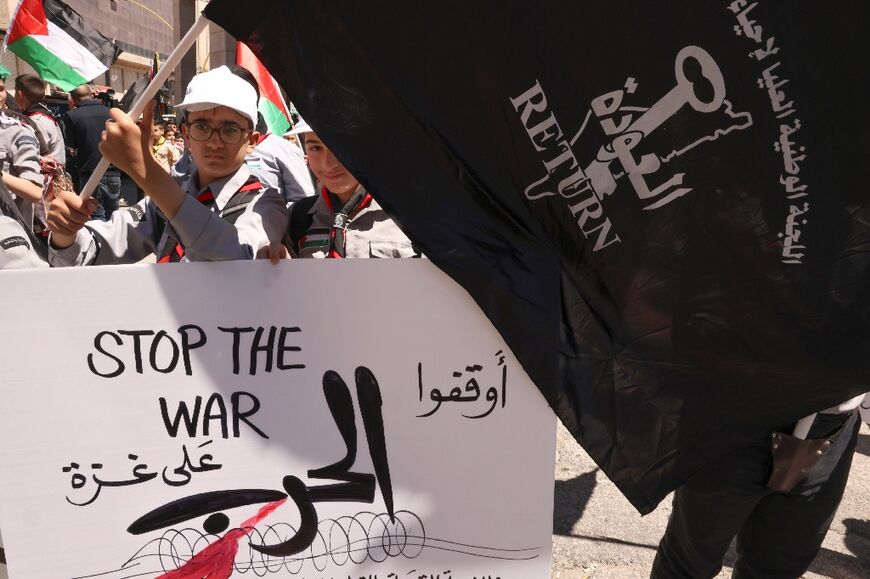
<point x="158" y="122"/>
<point x="31" y="86"/>
<point x="261" y="126"/>
<point x="245" y="74"/>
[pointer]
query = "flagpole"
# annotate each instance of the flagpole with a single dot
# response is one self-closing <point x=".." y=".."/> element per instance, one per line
<point x="149" y="93"/>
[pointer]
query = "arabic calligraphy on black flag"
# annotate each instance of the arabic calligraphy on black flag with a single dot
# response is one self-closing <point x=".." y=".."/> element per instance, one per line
<point x="662" y="206"/>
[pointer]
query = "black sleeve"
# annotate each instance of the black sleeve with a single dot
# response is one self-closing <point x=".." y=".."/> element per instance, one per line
<point x="69" y="136"/>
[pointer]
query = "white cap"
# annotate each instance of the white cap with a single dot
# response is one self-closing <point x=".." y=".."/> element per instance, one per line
<point x="301" y="127"/>
<point x="220" y="87"/>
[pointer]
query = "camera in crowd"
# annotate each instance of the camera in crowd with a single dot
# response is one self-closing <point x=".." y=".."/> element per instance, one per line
<point x="107" y="97"/>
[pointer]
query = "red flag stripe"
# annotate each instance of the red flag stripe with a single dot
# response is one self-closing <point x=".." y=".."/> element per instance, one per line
<point x="29" y="20"/>
<point x="267" y="84"/>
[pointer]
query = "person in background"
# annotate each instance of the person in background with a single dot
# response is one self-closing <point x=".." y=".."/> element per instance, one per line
<point x="162" y="149"/>
<point x="83" y="125"/>
<point x="7" y="101"/>
<point x="172" y="138"/>
<point x="281" y="165"/>
<point x="184" y="168"/>
<point x="222" y="213"/>
<point x="16" y="250"/>
<point x="18" y="245"/>
<point x="291" y="137"/>
<point x="19" y="164"/>
<point x="343" y="221"/>
<point x="780" y="522"/>
<point x="30" y="95"/>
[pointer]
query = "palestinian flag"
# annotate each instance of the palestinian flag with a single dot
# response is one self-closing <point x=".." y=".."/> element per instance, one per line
<point x="272" y="105"/>
<point x="53" y="39"/>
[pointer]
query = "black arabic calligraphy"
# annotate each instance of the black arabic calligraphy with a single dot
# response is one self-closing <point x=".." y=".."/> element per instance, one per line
<point x="140" y="474"/>
<point x="471" y="391"/>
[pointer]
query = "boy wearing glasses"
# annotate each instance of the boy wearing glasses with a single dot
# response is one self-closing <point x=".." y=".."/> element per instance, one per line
<point x="221" y="212"/>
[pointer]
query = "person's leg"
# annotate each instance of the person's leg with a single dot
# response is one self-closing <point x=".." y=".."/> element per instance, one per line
<point x="98" y="195"/>
<point x="708" y="510"/>
<point x="111" y="183"/>
<point x="785" y="532"/>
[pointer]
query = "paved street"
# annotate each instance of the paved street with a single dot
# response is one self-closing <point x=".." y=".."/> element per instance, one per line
<point x="599" y="535"/>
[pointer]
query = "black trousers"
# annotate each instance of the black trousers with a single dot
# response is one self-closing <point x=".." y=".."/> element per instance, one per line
<point x="106" y="194"/>
<point x="778" y="534"/>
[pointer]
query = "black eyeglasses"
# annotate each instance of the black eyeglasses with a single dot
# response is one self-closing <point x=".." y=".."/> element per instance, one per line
<point x="229" y="134"/>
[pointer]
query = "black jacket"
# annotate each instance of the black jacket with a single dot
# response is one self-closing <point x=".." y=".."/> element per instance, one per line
<point x="83" y="127"/>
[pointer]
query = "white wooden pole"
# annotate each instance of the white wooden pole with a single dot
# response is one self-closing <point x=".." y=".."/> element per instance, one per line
<point x="150" y="91"/>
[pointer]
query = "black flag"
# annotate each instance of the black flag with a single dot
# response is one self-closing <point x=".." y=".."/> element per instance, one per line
<point x="132" y="93"/>
<point x="73" y="24"/>
<point x="662" y="206"/>
<point x="138" y="87"/>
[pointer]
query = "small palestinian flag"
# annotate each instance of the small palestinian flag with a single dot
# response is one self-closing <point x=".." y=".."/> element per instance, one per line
<point x="53" y="39"/>
<point x="272" y="105"/>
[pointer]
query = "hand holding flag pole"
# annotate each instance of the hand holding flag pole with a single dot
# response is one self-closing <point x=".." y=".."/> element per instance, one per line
<point x="149" y="93"/>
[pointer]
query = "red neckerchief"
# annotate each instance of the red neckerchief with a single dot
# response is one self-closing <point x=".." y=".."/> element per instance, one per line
<point x="340" y="219"/>
<point x="43" y="113"/>
<point x="206" y="198"/>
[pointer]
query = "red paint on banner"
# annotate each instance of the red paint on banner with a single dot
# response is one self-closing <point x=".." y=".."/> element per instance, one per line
<point x="216" y="560"/>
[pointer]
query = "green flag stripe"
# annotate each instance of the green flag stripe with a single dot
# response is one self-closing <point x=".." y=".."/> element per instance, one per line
<point x="275" y="119"/>
<point x="49" y="67"/>
<point x="315" y="243"/>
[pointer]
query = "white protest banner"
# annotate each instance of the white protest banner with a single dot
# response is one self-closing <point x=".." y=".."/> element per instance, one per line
<point x="316" y="419"/>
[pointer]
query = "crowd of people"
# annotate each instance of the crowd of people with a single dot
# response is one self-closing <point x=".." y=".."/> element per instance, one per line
<point x="214" y="186"/>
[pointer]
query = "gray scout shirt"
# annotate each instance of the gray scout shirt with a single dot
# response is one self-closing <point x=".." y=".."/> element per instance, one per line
<point x="50" y="130"/>
<point x="280" y="164"/>
<point x="131" y="235"/>
<point x="370" y="232"/>
<point x="16" y="250"/>
<point x="19" y="157"/>
<point x="17" y="245"/>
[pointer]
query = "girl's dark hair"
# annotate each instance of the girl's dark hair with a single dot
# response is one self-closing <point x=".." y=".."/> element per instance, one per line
<point x="245" y="74"/>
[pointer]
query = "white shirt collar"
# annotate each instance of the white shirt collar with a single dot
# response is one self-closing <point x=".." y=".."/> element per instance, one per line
<point x="223" y="189"/>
